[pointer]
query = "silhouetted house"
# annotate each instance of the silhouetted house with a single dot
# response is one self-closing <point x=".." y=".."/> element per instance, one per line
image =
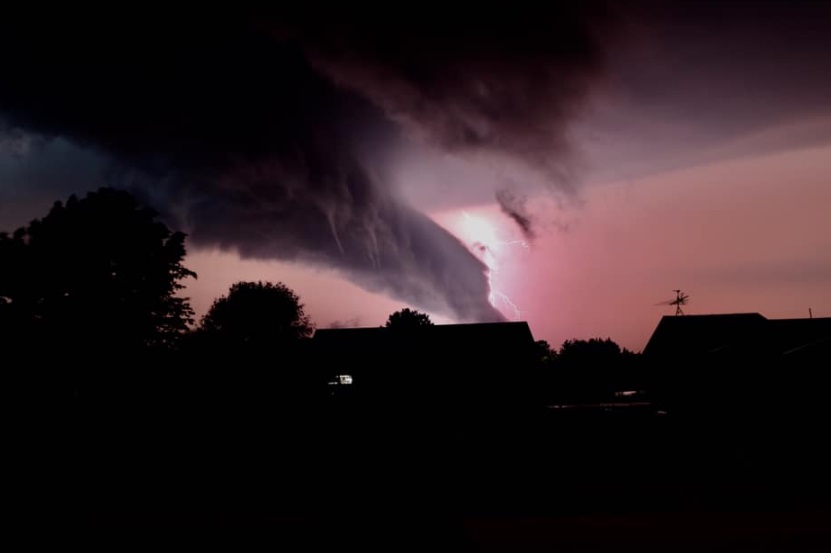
<point x="739" y="337"/>
<point x="737" y="359"/>
<point x="430" y="412"/>
<point x="433" y="369"/>
<point x="801" y="341"/>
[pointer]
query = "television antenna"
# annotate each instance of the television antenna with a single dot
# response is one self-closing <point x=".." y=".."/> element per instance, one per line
<point x="680" y="299"/>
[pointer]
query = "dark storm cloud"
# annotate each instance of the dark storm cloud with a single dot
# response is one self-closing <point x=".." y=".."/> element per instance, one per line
<point x="705" y="81"/>
<point x="35" y="172"/>
<point x="514" y="205"/>
<point x="483" y="79"/>
<point x="269" y="134"/>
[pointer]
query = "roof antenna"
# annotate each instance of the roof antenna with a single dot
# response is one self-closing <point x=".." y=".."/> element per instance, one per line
<point x="810" y="314"/>
<point x="680" y="299"/>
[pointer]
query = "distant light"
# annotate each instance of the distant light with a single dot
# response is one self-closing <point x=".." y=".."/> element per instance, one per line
<point x="626" y="393"/>
<point x="344" y="379"/>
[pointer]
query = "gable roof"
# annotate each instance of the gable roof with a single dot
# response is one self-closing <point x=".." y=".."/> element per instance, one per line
<point x="723" y="334"/>
<point x="506" y="333"/>
<point x="479" y="340"/>
<point x="800" y="336"/>
<point x="701" y="334"/>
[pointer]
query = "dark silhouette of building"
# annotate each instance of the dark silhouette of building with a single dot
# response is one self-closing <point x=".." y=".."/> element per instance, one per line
<point x="740" y="363"/>
<point x="676" y="338"/>
<point x="740" y="335"/>
<point x="441" y="368"/>
<point x="741" y="341"/>
<point x="430" y="411"/>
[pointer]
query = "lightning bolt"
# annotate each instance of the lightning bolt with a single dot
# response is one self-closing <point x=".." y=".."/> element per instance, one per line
<point x="495" y="297"/>
<point x="487" y="241"/>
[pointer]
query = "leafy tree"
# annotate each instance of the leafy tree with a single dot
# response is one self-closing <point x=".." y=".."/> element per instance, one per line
<point x="257" y="315"/>
<point x="592" y="370"/>
<point x="594" y="350"/>
<point x="97" y="273"/>
<point x="544" y="352"/>
<point x="408" y="319"/>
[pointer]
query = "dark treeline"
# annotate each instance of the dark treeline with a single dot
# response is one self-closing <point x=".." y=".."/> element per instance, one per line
<point x="593" y="370"/>
<point x="90" y="292"/>
<point x="121" y="398"/>
<point x="126" y="403"/>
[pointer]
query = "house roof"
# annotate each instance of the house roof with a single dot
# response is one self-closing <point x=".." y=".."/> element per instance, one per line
<point x="723" y="334"/>
<point x="506" y="333"/>
<point x="474" y="340"/>
<point x="800" y="336"/>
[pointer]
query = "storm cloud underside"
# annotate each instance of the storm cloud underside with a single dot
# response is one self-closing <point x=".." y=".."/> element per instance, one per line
<point x="272" y="135"/>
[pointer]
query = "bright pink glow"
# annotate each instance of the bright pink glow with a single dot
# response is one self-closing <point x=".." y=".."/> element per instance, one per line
<point x="491" y="242"/>
<point x="748" y="235"/>
<point x="327" y="296"/>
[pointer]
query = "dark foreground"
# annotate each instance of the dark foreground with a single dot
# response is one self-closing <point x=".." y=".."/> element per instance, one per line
<point x="601" y="532"/>
<point x="237" y="464"/>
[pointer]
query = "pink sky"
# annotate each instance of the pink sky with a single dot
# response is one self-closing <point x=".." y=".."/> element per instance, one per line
<point x="752" y="234"/>
<point x="697" y="141"/>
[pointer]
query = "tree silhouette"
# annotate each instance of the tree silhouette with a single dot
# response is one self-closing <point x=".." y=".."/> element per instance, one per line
<point x="592" y="370"/>
<point x="407" y="319"/>
<point x="592" y="351"/>
<point x="98" y="273"/>
<point x="256" y="315"/>
<point x="544" y="353"/>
